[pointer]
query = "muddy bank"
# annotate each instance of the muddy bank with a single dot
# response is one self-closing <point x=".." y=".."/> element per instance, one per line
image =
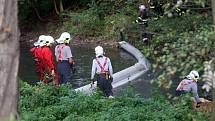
<point x="28" y="38"/>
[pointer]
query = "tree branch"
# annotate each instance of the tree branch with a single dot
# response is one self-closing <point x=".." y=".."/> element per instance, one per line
<point x="55" y="7"/>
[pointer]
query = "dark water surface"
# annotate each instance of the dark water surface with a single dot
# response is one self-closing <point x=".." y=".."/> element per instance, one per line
<point x="84" y="55"/>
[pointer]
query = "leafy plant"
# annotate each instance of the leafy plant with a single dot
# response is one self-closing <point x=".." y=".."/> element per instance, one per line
<point x="40" y="102"/>
<point x="178" y="46"/>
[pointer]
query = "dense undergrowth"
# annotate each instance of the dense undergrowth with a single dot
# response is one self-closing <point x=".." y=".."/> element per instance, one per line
<point x="47" y="103"/>
<point x="103" y="20"/>
<point x="177" y="46"/>
<point x="180" y="45"/>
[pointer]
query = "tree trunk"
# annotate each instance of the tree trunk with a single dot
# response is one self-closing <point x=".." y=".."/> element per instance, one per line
<point x="213" y="10"/>
<point x="213" y="112"/>
<point x="32" y="3"/>
<point x="61" y="6"/>
<point x="55" y="7"/>
<point x="9" y="58"/>
<point x="213" y="14"/>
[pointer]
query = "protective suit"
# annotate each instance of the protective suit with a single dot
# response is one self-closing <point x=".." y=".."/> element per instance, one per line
<point x="189" y="84"/>
<point x="36" y="53"/>
<point x="48" y="61"/>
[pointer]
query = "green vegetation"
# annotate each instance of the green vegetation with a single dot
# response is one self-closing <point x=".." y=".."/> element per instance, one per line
<point x="178" y="45"/>
<point x="103" y="20"/>
<point x="47" y="103"/>
<point x="181" y="44"/>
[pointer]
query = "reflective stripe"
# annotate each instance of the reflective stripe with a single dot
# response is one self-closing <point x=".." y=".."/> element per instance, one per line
<point x="59" y="50"/>
<point x="102" y="67"/>
<point x="152" y="7"/>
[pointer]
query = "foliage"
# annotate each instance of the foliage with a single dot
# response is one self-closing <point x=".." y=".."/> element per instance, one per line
<point x="178" y="46"/>
<point x="103" y="19"/>
<point x="46" y="103"/>
<point x="84" y="24"/>
<point x="27" y="8"/>
<point x="208" y="76"/>
<point x="24" y="10"/>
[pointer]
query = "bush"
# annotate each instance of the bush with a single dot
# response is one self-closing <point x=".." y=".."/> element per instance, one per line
<point x="179" y="46"/>
<point x="40" y="102"/>
<point x="102" y="20"/>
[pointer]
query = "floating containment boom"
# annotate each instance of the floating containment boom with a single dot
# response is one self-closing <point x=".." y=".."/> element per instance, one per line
<point x="124" y="76"/>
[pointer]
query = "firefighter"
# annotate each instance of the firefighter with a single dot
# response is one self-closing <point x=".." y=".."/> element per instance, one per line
<point x="47" y="61"/>
<point x="142" y="18"/>
<point x="189" y="84"/>
<point x="64" y="58"/>
<point x="180" y="8"/>
<point x="156" y="6"/>
<point x="36" y="53"/>
<point x="103" y="70"/>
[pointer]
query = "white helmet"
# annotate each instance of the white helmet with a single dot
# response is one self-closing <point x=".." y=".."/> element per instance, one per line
<point x="179" y="2"/>
<point x="49" y="40"/>
<point x="193" y="75"/>
<point x="142" y="7"/>
<point x="66" y="37"/>
<point x="36" y="44"/>
<point x="60" y="40"/>
<point x="99" y="51"/>
<point x="41" y="40"/>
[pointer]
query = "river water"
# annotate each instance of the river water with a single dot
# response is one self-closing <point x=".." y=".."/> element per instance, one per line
<point x="84" y="55"/>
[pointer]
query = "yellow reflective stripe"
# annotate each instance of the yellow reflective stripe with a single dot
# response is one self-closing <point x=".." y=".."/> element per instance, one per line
<point x="152" y="6"/>
<point x="178" y="9"/>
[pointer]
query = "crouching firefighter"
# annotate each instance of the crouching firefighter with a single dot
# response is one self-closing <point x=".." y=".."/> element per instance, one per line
<point x="189" y="84"/>
<point x="64" y="58"/>
<point x="103" y="70"/>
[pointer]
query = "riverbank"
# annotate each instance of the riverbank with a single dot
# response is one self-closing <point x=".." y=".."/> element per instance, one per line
<point x="54" y="28"/>
<point x="28" y="38"/>
<point x="46" y="102"/>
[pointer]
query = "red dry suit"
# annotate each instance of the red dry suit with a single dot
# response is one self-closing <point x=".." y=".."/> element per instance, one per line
<point x="36" y="53"/>
<point x="48" y="63"/>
